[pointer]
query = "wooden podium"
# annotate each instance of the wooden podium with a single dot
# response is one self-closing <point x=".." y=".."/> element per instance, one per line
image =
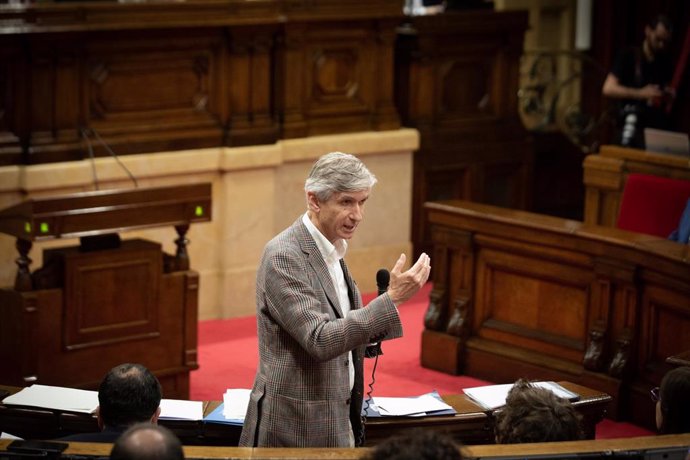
<point x="106" y="301"/>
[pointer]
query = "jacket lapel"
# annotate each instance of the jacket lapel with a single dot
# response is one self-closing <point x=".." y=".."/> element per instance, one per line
<point x="351" y="288"/>
<point x="318" y="265"/>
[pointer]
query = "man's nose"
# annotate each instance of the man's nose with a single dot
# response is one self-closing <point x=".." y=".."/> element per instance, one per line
<point x="357" y="212"/>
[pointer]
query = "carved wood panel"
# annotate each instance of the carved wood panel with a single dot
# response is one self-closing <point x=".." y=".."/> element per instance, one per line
<point x="175" y="75"/>
<point x="534" y="303"/>
<point x="111" y="297"/>
<point x="155" y="85"/>
<point x="337" y="77"/>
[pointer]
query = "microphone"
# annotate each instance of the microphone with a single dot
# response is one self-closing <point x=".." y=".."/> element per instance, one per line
<point x="382" y="280"/>
<point x="383" y="277"/>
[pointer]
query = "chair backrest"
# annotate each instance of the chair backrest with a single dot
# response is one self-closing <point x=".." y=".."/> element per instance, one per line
<point x="652" y="204"/>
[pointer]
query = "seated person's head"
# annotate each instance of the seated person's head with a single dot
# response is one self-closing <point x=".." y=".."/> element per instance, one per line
<point x="534" y="414"/>
<point x="128" y="394"/>
<point x="417" y="445"/>
<point x="145" y="441"/>
<point x="673" y="406"/>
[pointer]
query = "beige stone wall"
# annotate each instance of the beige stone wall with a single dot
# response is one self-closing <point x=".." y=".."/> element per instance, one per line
<point x="257" y="191"/>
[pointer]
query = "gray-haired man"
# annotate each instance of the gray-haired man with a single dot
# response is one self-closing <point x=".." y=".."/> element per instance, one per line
<point x="312" y="326"/>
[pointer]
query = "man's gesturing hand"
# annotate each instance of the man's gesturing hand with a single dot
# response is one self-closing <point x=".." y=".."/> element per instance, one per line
<point x="404" y="285"/>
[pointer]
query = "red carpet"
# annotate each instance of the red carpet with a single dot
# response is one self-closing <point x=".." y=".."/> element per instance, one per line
<point x="228" y="354"/>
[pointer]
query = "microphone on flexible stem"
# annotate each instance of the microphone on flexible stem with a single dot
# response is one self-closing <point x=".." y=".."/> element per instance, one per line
<point x="383" y="277"/>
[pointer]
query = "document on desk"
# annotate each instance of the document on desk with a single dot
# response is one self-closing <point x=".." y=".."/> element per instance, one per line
<point x="233" y="409"/>
<point x="55" y="398"/>
<point x="415" y="406"/>
<point x="179" y="409"/>
<point x="492" y="397"/>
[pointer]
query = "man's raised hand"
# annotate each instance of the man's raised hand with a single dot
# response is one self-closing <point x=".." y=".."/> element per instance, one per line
<point x="404" y="285"/>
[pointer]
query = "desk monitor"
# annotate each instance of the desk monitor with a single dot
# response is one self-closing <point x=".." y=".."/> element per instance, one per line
<point x="658" y="140"/>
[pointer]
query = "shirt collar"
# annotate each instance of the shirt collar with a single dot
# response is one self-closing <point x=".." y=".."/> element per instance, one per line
<point x="329" y="251"/>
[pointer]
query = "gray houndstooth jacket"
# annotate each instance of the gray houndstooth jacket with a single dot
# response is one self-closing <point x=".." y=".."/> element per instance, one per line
<point x="301" y="395"/>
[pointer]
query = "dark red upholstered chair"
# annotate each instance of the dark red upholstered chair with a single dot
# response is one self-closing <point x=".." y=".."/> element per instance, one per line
<point x="652" y="204"/>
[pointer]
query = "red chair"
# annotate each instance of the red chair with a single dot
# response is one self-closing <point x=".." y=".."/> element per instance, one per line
<point x="652" y="204"/>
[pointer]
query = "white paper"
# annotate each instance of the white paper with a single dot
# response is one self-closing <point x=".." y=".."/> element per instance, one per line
<point x="181" y="409"/>
<point x="490" y="396"/>
<point x="235" y="402"/>
<point x="494" y="396"/>
<point x="408" y="406"/>
<point x="56" y="398"/>
<point x="558" y="390"/>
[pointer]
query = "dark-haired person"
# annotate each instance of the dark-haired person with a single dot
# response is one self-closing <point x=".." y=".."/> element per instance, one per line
<point x="417" y="445"/>
<point x="638" y="81"/>
<point x="534" y="414"/>
<point x="129" y="394"/>
<point x="673" y="402"/>
<point x="145" y="441"/>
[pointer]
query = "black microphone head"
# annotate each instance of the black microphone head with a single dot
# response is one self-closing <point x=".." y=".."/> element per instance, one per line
<point x="383" y="277"/>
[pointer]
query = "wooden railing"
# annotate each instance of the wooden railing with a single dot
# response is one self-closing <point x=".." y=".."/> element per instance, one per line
<point x="518" y="294"/>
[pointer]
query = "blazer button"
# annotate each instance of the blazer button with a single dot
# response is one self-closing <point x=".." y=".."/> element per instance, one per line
<point x="347" y="362"/>
<point x="347" y="402"/>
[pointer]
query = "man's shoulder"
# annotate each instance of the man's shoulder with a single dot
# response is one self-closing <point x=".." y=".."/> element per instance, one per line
<point x="290" y="238"/>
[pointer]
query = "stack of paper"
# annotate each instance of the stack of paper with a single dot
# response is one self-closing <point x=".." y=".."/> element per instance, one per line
<point x="494" y="396"/>
<point x="178" y="409"/>
<point x="416" y="406"/>
<point x="233" y="408"/>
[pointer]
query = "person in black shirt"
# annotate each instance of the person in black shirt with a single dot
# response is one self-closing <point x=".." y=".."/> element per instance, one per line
<point x="639" y="79"/>
<point x="128" y="394"/>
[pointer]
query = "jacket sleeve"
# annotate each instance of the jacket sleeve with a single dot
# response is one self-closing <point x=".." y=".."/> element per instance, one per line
<point x="300" y="307"/>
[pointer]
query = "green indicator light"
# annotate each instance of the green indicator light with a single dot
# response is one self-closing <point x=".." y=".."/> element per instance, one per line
<point x="27" y="227"/>
<point x="44" y="227"/>
<point x="199" y="211"/>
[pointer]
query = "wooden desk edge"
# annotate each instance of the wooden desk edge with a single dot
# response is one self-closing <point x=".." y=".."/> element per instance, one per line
<point x="555" y="448"/>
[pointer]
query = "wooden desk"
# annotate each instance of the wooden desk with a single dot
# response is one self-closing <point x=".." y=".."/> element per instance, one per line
<point x="632" y="448"/>
<point x="471" y="425"/>
<point x="519" y="294"/>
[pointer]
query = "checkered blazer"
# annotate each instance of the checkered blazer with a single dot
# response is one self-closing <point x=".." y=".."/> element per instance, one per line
<point x="301" y="395"/>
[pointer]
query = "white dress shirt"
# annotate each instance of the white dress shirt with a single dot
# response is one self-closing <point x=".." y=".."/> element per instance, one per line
<point x="331" y="255"/>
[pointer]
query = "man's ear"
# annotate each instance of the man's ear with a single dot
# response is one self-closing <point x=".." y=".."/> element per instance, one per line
<point x="101" y="426"/>
<point x="154" y="417"/>
<point x="313" y="202"/>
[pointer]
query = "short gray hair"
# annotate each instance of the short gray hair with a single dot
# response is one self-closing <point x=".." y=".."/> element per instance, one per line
<point x="338" y="172"/>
